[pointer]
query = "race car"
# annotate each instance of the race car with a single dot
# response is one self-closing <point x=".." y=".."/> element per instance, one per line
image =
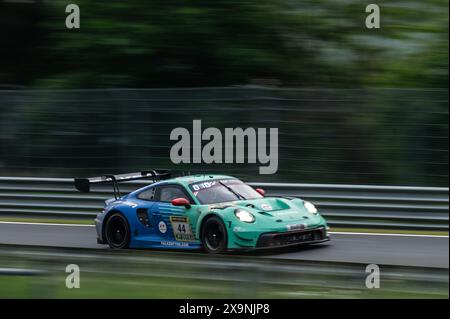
<point x="216" y="213"/>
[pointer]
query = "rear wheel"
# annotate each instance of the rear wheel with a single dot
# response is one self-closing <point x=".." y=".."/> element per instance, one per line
<point x="214" y="236"/>
<point x="117" y="231"/>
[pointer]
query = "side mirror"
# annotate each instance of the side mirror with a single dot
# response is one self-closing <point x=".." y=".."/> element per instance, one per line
<point x="260" y="191"/>
<point x="181" y="202"/>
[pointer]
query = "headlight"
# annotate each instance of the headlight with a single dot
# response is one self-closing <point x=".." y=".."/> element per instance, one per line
<point x="310" y="208"/>
<point x="244" y="216"/>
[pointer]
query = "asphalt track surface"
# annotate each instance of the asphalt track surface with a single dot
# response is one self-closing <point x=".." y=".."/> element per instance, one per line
<point x="423" y="251"/>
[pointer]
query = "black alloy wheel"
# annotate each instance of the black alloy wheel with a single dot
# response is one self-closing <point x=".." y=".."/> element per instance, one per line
<point x="214" y="236"/>
<point x="117" y="231"/>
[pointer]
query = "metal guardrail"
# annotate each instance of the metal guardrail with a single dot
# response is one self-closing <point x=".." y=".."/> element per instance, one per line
<point x="343" y="205"/>
<point x="159" y="274"/>
<point x="19" y="272"/>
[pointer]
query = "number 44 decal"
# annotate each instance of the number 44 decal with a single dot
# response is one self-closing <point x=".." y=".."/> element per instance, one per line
<point x="182" y="230"/>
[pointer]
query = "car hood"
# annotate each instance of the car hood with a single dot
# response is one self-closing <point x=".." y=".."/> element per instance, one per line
<point x="281" y="209"/>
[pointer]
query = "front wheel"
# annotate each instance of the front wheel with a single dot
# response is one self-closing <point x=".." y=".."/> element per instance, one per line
<point x="117" y="231"/>
<point x="214" y="236"/>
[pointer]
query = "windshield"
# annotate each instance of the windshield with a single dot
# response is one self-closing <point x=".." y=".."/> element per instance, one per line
<point x="223" y="190"/>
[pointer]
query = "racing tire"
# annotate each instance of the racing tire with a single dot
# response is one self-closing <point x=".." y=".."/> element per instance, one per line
<point x="214" y="236"/>
<point x="117" y="231"/>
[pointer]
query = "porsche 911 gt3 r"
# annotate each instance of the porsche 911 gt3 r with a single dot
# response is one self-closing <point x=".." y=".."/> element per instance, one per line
<point x="213" y="212"/>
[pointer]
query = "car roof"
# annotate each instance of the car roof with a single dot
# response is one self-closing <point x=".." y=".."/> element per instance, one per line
<point x="186" y="180"/>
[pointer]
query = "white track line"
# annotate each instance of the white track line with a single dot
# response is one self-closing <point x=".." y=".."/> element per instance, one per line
<point x="45" y="224"/>
<point x="387" y="234"/>
<point x="331" y="232"/>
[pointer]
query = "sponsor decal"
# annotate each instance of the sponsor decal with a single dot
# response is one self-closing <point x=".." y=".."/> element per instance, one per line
<point x="182" y="230"/>
<point x="266" y="207"/>
<point x="296" y="227"/>
<point x="174" y="243"/>
<point x="162" y="227"/>
<point x="203" y="185"/>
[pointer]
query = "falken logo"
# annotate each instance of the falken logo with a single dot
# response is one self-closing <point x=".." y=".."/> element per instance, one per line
<point x="296" y="227"/>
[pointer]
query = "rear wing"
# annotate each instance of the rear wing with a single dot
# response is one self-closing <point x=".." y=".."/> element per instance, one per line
<point x="84" y="184"/>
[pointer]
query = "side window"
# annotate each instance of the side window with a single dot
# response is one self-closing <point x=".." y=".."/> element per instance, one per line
<point x="148" y="194"/>
<point x="170" y="192"/>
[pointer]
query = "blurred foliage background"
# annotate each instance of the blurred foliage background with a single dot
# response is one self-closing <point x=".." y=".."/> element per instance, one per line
<point x="353" y="105"/>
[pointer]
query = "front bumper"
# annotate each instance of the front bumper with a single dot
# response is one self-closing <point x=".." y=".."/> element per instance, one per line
<point x="291" y="238"/>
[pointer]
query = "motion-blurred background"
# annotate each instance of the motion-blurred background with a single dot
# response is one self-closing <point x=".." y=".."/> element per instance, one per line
<point x="353" y="105"/>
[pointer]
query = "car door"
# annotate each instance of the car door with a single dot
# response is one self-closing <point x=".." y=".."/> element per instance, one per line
<point x="172" y="223"/>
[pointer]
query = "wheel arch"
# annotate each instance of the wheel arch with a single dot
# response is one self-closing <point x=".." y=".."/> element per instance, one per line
<point x="108" y="216"/>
